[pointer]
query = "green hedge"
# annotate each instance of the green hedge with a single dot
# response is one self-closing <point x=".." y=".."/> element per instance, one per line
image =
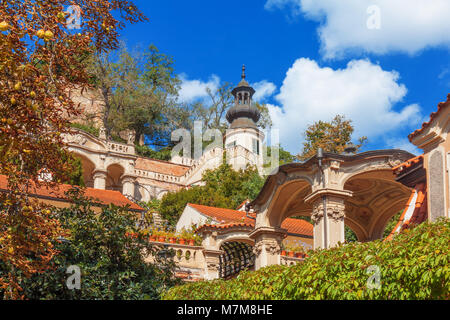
<point x="414" y="265"/>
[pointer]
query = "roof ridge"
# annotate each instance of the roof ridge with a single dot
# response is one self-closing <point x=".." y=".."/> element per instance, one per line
<point x="441" y="106"/>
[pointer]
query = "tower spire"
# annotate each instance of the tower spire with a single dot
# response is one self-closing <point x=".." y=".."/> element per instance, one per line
<point x="243" y="114"/>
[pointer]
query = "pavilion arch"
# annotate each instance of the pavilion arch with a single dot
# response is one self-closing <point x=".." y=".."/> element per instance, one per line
<point x="289" y="201"/>
<point x="376" y="197"/>
<point x="228" y="248"/>
<point x="236" y="256"/>
<point x="114" y="175"/>
<point x="88" y="167"/>
<point x="360" y="232"/>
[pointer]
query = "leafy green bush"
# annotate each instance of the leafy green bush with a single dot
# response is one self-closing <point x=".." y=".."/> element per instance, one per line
<point x="414" y="265"/>
<point x="87" y="128"/>
<point x="111" y="260"/>
<point x="224" y="188"/>
<point x="163" y="154"/>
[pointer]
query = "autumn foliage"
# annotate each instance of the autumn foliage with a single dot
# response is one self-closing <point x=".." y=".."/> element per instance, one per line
<point x="331" y="136"/>
<point x="41" y="60"/>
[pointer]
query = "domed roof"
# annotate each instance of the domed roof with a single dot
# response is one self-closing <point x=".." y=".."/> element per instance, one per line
<point x="243" y="114"/>
<point x="247" y="115"/>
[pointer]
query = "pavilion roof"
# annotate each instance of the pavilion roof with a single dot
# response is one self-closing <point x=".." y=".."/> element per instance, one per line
<point x="433" y="115"/>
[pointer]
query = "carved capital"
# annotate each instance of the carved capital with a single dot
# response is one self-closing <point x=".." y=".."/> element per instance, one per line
<point x="212" y="265"/>
<point x="257" y="248"/>
<point x="336" y="211"/>
<point x="273" y="247"/>
<point x="317" y="213"/>
<point x="99" y="174"/>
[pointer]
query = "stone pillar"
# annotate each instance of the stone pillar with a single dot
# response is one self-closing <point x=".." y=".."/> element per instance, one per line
<point x="328" y="217"/>
<point x="212" y="258"/>
<point x="99" y="177"/>
<point x="267" y="245"/>
<point x="436" y="185"/>
<point x="128" y="185"/>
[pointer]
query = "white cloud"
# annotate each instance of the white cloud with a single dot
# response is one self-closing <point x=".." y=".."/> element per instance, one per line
<point x="192" y="90"/>
<point x="363" y="92"/>
<point x="403" y="144"/>
<point x="264" y="89"/>
<point x="405" y="25"/>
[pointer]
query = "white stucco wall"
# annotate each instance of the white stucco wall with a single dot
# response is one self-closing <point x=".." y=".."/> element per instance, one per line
<point x="189" y="217"/>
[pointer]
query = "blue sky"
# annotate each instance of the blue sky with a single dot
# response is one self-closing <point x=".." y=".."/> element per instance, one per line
<point x="384" y="68"/>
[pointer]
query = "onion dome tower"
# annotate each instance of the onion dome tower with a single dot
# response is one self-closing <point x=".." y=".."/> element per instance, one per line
<point x="243" y="130"/>
<point x="243" y="114"/>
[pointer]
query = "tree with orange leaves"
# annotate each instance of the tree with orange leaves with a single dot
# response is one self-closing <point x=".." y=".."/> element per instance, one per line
<point x="41" y="60"/>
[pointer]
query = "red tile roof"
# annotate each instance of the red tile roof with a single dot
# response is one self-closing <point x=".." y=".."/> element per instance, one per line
<point x="441" y="106"/>
<point x="226" y="225"/>
<point x="104" y="197"/>
<point x="419" y="215"/>
<point x="227" y="216"/>
<point x="160" y="166"/>
<point x="242" y="204"/>
<point x="407" y="164"/>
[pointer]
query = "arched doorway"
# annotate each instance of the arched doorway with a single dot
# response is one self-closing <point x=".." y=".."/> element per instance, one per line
<point x="376" y="198"/>
<point x="113" y="178"/>
<point x="88" y="168"/>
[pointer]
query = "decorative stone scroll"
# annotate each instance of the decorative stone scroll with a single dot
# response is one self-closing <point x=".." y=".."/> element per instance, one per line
<point x="336" y="210"/>
<point x="317" y="213"/>
<point x="77" y="139"/>
<point x="272" y="247"/>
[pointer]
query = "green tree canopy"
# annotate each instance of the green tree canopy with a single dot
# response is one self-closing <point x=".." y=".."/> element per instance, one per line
<point x="139" y="91"/>
<point x="224" y="188"/>
<point x="331" y="136"/>
<point x="111" y="261"/>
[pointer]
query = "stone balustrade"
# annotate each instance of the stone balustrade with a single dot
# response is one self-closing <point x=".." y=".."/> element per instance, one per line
<point x="189" y="259"/>
<point x="290" y="261"/>
<point x="120" y="147"/>
<point x="157" y="176"/>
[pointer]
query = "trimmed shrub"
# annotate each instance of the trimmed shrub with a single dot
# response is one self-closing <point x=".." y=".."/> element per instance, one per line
<point x="414" y="265"/>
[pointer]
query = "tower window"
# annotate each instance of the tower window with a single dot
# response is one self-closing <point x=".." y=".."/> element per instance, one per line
<point x="256" y="146"/>
<point x="231" y="144"/>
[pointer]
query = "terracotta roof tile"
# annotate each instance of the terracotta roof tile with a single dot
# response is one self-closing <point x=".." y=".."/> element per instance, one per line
<point x="441" y="106"/>
<point x="104" y="197"/>
<point x="226" y="225"/>
<point x="227" y="216"/>
<point x="398" y="169"/>
<point x="160" y="166"/>
<point x="242" y="204"/>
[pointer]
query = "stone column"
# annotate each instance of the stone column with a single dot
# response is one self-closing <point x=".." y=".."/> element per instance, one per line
<point x="212" y="259"/>
<point x="267" y="245"/>
<point x="128" y="185"/>
<point x="99" y="177"/>
<point x="328" y="216"/>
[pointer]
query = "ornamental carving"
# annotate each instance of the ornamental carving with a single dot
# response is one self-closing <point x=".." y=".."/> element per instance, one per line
<point x="317" y="213"/>
<point x="273" y="247"/>
<point x="77" y="139"/>
<point x="335" y="165"/>
<point x="212" y="265"/>
<point x="257" y="248"/>
<point x="336" y="211"/>
<point x="393" y="163"/>
<point x="281" y="178"/>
